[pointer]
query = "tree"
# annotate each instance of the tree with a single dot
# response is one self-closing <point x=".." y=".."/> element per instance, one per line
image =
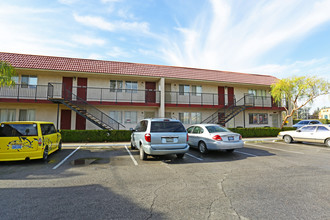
<point x="7" y="72"/>
<point x="298" y="92"/>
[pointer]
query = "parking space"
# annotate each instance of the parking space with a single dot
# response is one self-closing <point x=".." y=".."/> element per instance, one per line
<point x="254" y="182"/>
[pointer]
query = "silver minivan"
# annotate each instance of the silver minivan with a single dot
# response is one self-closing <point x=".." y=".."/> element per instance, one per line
<point x="160" y="136"/>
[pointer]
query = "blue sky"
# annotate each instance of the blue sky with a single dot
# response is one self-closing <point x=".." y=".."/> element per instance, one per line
<point x="275" y="37"/>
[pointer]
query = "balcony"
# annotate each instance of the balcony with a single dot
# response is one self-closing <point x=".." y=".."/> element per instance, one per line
<point x="107" y="96"/>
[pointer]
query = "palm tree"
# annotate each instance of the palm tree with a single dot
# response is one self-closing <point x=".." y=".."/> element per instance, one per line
<point x="7" y="72"/>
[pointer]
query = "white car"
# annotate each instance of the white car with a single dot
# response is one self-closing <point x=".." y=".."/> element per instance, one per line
<point x="309" y="133"/>
<point x="207" y="137"/>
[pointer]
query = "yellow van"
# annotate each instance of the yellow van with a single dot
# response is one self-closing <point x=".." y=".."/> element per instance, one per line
<point x="27" y="140"/>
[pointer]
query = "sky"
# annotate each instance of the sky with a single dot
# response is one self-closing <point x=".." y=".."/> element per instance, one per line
<point x="274" y="37"/>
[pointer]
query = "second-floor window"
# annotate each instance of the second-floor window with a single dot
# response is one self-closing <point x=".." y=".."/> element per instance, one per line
<point x="184" y="89"/>
<point x="116" y="85"/>
<point x="196" y="90"/>
<point x="29" y="81"/>
<point x="131" y="86"/>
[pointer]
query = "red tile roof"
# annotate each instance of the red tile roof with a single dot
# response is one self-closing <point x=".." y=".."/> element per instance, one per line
<point x="123" y="68"/>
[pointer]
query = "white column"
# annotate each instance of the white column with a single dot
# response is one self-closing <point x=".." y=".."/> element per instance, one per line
<point x="161" y="111"/>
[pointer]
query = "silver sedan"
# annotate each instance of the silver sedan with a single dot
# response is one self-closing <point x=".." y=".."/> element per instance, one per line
<point x="207" y="137"/>
<point x="309" y="133"/>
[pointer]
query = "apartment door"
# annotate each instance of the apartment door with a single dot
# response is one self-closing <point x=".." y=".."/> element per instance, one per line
<point x="150" y="95"/>
<point x="80" y="122"/>
<point x="221" y="95"/>
<point x="82" y="88"/>
<point x="230" y="96"/>
<point x="66" y="119"/>
<point x="67" y="87"/>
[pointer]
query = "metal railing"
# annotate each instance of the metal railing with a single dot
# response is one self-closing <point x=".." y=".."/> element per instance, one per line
<point x="83" y="106"/>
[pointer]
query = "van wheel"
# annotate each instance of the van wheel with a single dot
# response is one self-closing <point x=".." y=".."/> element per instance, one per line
<point x="180" y="156"/>
<point x="45" y="154"/>
<point x="287" y="139"/>
<point x="60" y="146"/>
<point x="143" y="155"/>
<point x="202" y="147"/>
<point x="327" y="142"/>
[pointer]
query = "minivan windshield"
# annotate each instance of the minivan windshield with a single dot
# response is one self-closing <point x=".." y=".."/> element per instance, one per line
<point x="16" y="130"/>
<point x="167" y="126"/>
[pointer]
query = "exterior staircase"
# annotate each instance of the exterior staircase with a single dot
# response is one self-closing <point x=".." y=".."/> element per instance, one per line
<point x="224" y="115"/>
<point x="83" y="108"/>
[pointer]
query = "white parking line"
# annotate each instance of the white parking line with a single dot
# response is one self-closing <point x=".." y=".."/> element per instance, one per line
<point x="240" y="152"/>
<point x="295" y="152"/>
<point x="130" y="154"/>
<point x="318" y="147"/>
<point x="200" y="159"/>
<point x="66" y="158"/>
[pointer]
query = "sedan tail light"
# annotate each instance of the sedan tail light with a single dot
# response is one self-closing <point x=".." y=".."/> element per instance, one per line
<point x="217" y="138"/>
<point x="240" y="137"/>
<point x="147" y="137"/>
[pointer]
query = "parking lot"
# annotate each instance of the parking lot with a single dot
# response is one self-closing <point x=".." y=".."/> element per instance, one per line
<point x="264" y="180"/>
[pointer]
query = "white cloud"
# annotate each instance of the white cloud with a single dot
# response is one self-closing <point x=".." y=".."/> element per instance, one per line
<point x="101" y="23"/>
<point x="117" y="52"/>
<point x="220" y="39"/>
<point x="110" y="1"/>
<point x="67" y="2"/>
<point x="89" y="41"/>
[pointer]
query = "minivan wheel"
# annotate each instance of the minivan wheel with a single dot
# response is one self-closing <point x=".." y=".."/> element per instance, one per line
<point x="143" y="155"/>
<point x="202" y="147"/>
<point x="180" y="156"/>
<point x="327" y="142"/>
<point x="45" y="154"/>
<point x="287" y="139"/>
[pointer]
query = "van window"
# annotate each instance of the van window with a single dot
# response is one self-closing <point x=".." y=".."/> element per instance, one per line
<point x="167" y="126"/>
<point x="47" y="129"/>
<point x="16" y="130"/>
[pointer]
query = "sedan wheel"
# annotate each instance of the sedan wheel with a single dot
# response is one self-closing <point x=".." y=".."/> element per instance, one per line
<point x="287" y="139"/>
<point x="202" y="148"/>
<point x="327" y="142"/>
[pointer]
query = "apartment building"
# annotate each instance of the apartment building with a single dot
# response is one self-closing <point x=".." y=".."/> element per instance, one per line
<point x="324" y="113"/>
<point x="95" y="94"/>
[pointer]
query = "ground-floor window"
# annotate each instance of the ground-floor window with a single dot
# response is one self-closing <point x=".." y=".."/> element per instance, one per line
<point x="190" y="117"/>
<point x="7" y="115"/>
<point x="258" y="118"/>
<point x="116" y="115"/>
<point x="26" y="115"/>
<point x="131" y="117"/>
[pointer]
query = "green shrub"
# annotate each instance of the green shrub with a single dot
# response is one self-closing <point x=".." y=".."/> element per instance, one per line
<point x="95" y="135"/>
<point x="259" y="132"/>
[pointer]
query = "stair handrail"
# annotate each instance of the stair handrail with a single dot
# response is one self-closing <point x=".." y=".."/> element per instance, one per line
<point x="84" y="102"/>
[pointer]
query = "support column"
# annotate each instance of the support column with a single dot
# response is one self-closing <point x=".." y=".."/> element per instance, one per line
<point x="161" y="111"/>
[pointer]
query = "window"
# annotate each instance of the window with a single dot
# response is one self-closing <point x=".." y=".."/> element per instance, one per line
<point x="130" y="117"/>
<point x="184" y="89"/>
<point x="184" y="117"/>
<point x="116" y="115"/>
<point x="142" y="126"/>
<point x="196" y="117"/>
<point x="261" y="92"/>
<point x="258" y="119"/>
<point x="16" y="130"/>
<point x="29" y="81"/>
<point x="322" y="129"/>
<point x="198" y="130"/>
<point x="7" y="115"/>
<point x="190" y="129"/>
<point x="131" y="86"/>
<point x="166" y="126"/>
<point x="196" y="90"/>
<point x="308" y="129"/>
<point x="26" y="115"/>
<point x="116" y="85"/>
<point x="253" y="92"/>
<point x="47" y="129"/>
<point x="216" y="128"/>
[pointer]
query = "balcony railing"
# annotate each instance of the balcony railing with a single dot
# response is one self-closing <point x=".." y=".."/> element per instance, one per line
<point x="95" y="94"/>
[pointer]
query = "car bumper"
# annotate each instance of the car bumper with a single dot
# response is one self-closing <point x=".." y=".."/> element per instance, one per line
<point x="152" y="151"/>
<point x="280" y="137"/>
<point x="222" y="145"/>
<point x="21" y="156"/>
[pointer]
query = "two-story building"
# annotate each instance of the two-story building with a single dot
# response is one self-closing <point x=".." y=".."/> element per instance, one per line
<point x="92" y="94"/>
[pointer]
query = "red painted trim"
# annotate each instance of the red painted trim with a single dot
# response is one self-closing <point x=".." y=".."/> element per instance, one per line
<point x="267" y="108"/>
<point x="194" y="106"/>
<point x="124" y="103"/>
